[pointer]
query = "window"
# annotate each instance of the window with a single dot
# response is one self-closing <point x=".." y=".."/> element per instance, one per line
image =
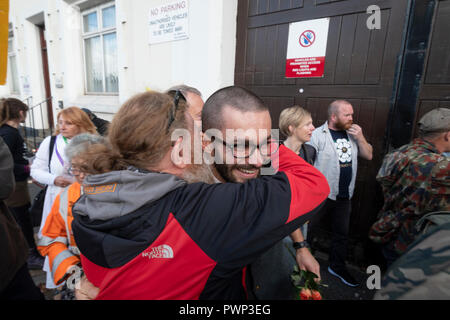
<point x="12" y="61"/>
<point x="100" y="49"/>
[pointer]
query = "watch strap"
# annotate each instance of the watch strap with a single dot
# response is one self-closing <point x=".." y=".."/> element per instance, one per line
<point x="299" y="245"/>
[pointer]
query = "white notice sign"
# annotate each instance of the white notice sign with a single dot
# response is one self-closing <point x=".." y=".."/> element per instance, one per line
<point x="169" y="22"/>
<point x="307" y="46"/>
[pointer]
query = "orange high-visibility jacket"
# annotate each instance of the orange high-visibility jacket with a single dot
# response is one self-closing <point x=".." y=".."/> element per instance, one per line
<point x="57" y="240"/>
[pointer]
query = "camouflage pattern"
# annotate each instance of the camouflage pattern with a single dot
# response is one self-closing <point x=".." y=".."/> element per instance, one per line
<point x="423" y="272"/>
<point x="415" y="180"/>
<point x="432" y="220"/>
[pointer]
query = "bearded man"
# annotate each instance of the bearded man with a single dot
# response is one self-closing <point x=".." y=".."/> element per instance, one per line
<point x="209" y="232"/>
<point x="338" y="143"/>
<point x="244" y="127"/>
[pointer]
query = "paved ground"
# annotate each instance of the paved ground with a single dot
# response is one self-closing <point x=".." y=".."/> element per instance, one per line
<point x="39" y="275"/>
<point x="336" y="290"/>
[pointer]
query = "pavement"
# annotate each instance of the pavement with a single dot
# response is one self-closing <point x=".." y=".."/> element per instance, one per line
<point x="336" y="290"/>
<point x="39" y="276"/>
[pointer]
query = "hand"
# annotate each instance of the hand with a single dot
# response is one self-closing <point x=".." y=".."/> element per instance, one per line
<point x="86" y="291"/>
<point x="62" y="182"/>
<point x="306" y="261"/>
<point x="365" y="148"/>
<point x="356" y="132"/>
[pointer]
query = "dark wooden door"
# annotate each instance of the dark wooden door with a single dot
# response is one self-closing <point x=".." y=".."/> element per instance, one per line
<point x="360" y="66"/>
<point x="46" y="73"/>
<point x="435" y="89"/>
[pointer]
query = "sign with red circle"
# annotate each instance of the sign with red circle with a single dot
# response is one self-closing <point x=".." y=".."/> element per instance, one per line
<point x="307" y="38"/>
<point x="306" y="50"/>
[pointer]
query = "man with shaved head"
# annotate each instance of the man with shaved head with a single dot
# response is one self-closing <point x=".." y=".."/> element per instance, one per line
<point x="235" y="108"/>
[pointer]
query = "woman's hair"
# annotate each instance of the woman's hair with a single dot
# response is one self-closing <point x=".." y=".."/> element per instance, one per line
<point x="138" y="134"/>
<point x="79" y="118"/>
<point x="81" y="143"/>
<point x="10" y="109"/>
<point x="293" y="116"/>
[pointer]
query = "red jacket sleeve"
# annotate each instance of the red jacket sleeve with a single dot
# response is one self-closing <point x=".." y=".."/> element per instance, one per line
<point x="309" y="187"/>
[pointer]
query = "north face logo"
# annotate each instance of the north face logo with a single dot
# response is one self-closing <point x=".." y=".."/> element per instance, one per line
<point x="161" y="252"/>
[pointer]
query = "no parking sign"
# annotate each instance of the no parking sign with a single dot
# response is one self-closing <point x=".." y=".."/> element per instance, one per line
<point x="307" y="46"/>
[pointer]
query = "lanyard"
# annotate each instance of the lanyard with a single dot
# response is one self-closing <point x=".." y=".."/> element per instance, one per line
<point x="57" y="153"/>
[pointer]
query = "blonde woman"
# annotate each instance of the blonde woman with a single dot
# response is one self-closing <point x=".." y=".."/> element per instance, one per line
<point x="54" y="173"/>
<point x="296" y="124"/>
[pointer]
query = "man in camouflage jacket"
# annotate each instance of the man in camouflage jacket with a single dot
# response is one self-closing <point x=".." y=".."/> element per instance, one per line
<point x="423" y="272"/>
<point x="415" y="181"/>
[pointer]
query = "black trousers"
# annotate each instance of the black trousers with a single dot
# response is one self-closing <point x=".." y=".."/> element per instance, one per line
<point x="23" y="218"/>
<point x="338" y="211"/>
<point x="22" y="287"/>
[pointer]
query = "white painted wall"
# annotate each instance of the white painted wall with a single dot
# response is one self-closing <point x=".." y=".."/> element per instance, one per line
<point x="28" y="52"/>
<point x="206" y="60"/>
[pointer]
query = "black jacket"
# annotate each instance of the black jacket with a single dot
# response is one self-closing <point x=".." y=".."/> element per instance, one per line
<point x="101" y="125"/>
<point x="15" y="143"/>
<point x="308" y="153"/>
<point x="13" y="247"/>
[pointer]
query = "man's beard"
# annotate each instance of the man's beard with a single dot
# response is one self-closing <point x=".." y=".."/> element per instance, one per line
<point x="198" y="173"/>
<point x="204" y="173"/>
<point x="226" y="171"/>
<point x="340" y="125"/>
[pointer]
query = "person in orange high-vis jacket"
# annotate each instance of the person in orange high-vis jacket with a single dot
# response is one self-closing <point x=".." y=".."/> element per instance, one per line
<point x="57" y="240"/>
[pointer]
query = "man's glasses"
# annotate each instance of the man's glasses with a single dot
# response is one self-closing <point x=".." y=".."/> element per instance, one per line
<point x="177" y="96"/>
<point x="246" y="149"/>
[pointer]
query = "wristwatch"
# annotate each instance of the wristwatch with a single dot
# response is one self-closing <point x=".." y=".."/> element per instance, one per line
<point x="299" y="245"/>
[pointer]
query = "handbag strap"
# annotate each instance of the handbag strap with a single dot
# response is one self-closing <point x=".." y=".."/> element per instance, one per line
<point x="50" y="151"/>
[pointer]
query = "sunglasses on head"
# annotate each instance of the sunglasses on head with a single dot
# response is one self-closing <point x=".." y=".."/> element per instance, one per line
<point x="177" y="95"/>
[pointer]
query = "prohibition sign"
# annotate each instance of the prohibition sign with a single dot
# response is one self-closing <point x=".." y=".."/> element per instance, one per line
<point x="307" y="38"/>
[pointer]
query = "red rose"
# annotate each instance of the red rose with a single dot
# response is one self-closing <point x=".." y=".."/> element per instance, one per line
<point x="305" y="294"/>
<point x="315" y="295"/>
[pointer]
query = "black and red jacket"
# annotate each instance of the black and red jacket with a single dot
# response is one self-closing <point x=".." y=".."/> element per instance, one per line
<point x="152" y="236"/>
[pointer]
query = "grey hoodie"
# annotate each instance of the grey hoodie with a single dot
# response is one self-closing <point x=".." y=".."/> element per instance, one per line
<point x="118" y="193"/>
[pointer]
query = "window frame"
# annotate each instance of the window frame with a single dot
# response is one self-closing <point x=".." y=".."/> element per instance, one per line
<point x="11" y="54"/>
<point x="101" y="32"/>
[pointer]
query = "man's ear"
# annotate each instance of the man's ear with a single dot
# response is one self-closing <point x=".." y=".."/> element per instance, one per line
<point x="177" y="154"/>
<point x="333" y="117"/>
<point x="447" y="136"/>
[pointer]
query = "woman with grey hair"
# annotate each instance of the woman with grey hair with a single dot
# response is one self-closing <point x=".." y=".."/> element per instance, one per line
<point x="57" y="240"/>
